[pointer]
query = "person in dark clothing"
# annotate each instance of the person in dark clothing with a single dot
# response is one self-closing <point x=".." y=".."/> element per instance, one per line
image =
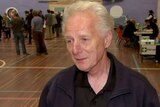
<point x="152" y="25"/>
<point x="155" y="28"/>
<point x="41" y="14"/>
<point x="129" y="29"/>
<point x="58" y="25"/>
<point x="157" y="57"/>
<point x="28" y="19"/>
<point x="129" y="33"/>
<point x="150" y="15"/>
<point x="97" y="79"/>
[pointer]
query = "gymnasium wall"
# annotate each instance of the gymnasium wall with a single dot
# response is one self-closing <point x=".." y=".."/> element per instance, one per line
<point x="135" y="9"/>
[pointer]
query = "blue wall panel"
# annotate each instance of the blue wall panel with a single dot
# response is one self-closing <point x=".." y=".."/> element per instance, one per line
<point x="22" y="5"/>
<point x="135" y="9"/>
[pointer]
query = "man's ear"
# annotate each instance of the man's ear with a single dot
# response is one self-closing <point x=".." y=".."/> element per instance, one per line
<point x="108" y="38"/>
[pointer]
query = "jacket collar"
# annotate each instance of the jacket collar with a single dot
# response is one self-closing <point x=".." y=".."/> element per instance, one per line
<point x="122" y="84"/>
<point x="66" y="80"/>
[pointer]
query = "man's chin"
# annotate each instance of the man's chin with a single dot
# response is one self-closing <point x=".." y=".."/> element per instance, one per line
<point x="82" y="68"/>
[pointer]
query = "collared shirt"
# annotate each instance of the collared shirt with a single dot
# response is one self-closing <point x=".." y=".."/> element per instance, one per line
<point x="84" y="94"/>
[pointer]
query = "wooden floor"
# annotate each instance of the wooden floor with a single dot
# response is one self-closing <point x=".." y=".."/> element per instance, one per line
<point x="22" y="78"/>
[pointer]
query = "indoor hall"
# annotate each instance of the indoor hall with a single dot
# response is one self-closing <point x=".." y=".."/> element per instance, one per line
<point x="24" y="77"/>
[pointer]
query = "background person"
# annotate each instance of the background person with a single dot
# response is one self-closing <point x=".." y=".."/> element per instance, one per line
<point x="152" y="25"/>
<point x="129" y="33"/>
<point x="58" y="25"/>
<point x="97" y="79"/>
<point x="54" y="21"/>
<point x="28" y="19"/>
<point x="17" y="25"/>
<point x="38" y="34"/>
<point x="6" y="26"/>
<point x="1" y="19"/>
<point x="150" y="15"/>
<point x="49" y="22"/>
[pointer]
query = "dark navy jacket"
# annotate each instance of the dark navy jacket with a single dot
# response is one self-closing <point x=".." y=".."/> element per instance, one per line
<point x="131" y="89"/>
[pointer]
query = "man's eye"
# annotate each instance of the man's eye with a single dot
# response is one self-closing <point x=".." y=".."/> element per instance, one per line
<point x="85" y="39"/>
<point x="68" y="41"/>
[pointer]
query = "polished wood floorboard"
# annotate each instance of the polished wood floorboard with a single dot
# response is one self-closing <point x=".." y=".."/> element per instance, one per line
<point x="22" y="78"/>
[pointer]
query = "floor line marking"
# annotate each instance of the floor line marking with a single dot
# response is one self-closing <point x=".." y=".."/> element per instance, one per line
<point x="136" y="63"/>
<point x="147" y="68"/>
<point x="37" y="67"/>
<point x="3" y="63"/>
<point x="17" y="99"/>
<point x="21" y="59"/>
<point x="12" y="91"/>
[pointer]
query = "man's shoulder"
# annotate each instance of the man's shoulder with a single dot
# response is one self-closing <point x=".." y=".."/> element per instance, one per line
<point x="137" y="79"/>
<point x="130" y="76"/>
<point x="65" y="74"/>
<point x="67" y="71"/>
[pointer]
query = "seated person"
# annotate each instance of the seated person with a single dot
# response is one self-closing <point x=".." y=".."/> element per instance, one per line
<point x="129" y="32"/>
<point x="151" y="24"/>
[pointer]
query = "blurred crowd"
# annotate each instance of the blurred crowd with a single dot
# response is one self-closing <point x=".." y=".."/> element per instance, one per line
<point x="150" y="23"/>
<point x="12" y="22"/>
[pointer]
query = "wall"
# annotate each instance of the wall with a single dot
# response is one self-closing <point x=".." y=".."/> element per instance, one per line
<point x="158" y="13"/>
<point x="53" y="6"/>
<point x="22" y="5"/>
<point x="135" y="9"/>
<point x="59" y="6"/>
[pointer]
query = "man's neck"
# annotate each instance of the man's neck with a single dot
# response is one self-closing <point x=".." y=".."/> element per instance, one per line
<point x="98" y="79"/>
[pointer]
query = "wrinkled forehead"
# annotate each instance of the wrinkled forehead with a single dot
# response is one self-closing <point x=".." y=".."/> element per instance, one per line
<point x="80" y="20"/>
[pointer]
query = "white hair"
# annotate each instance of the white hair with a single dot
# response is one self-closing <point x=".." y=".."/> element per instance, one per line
<point x="105" y="22"/>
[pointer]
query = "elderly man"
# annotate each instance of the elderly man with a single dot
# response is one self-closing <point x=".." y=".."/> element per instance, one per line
<point x="97" y="79"/>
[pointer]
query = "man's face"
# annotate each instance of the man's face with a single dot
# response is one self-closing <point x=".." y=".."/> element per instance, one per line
<point x="84" y="43"/>
<point x="11" y="13"/>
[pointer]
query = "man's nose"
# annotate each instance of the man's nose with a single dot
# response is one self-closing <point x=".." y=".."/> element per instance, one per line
<point x="76" y="48"/>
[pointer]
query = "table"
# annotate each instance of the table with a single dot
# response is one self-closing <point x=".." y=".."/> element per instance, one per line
<point x="141" y="32"/>
<point x="148" y="48"/>
<point x="147" y="34"/>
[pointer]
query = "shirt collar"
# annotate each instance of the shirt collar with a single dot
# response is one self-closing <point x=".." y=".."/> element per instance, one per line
<point x="81" y="79"/>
